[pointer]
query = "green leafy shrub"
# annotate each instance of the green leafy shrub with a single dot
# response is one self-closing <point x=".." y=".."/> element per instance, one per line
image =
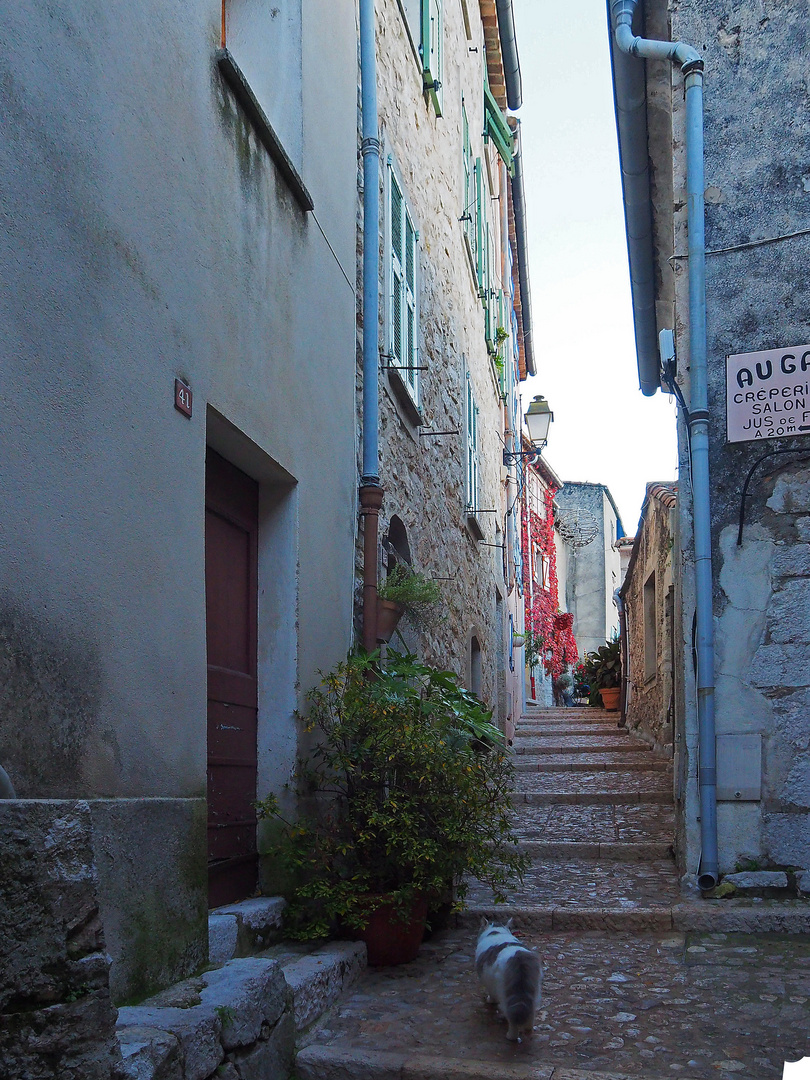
<point x="417" y="780"/>
<point x="602" y="670"/>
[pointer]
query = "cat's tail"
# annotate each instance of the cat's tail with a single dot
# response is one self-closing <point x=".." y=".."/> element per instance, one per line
<point x="522" y="990"/>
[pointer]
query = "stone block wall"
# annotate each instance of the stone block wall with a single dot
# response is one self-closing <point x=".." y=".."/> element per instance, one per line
<point x="423" y="474"/>
<point x="57" y="1021"/>
<point x="650" y="700"/>
<point x="757" y="145"/>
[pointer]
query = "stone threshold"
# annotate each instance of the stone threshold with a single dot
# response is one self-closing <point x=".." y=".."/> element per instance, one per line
<point x="334" y="1063"/>
<point x="704" y="916"/>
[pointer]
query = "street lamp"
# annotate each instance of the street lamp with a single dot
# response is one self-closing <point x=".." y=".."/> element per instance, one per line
<point x="538" y="421"/>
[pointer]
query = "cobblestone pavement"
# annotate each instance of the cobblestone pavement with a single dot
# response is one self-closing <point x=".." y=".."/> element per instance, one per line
<point x="698" y="1007"/>
<point x="625" y="995"/>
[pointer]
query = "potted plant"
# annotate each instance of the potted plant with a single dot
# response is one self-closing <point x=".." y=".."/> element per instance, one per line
<point x="411" y="789"/>
<point x="605" y="671"/>
<point x="405" y="592"/>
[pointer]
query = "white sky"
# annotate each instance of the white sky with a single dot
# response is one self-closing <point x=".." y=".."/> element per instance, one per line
<point x="604" y="429"/>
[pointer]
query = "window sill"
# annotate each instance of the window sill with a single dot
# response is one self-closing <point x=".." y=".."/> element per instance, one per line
<point x="474" y="525"/>
<point x="404" y="399"/>
<point x="235" y="78"/>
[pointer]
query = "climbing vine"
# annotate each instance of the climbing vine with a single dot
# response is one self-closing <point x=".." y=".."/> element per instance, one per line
<point x="551" y="630"/>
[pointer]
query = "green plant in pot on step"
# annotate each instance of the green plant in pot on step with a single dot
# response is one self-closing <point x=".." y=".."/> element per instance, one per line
<point x="406" y="592"/>
<point x="603" y="669"/>
<point x="408" y="795"/>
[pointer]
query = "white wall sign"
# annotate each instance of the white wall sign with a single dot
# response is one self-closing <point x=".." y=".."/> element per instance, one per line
<point x="768" y="394"/>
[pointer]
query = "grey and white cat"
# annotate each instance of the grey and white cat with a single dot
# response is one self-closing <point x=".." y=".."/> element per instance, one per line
<point x="512" y="976"/>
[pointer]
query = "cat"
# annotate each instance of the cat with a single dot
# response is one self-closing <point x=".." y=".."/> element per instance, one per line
<point x="511" y="974"/>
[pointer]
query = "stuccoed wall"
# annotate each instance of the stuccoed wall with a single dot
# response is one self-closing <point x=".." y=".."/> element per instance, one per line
<point x="424" y="476"/>
<point x="649" y="711"/>
<point x="757" y="149"/>
<point x="591" y="570"/>
<point x="150" y="236"/>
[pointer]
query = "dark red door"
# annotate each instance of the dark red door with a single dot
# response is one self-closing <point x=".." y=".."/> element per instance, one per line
<point x="231" y="533"/>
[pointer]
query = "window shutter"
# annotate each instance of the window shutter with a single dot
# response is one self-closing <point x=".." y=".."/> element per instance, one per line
<point x="396" y="271"/>
<point x="410" y="304"/>
<point x="432" y="51"/>
<point x="480" y="225"/>
<point x="472" y="450"/>
<point x="468" y="172"/>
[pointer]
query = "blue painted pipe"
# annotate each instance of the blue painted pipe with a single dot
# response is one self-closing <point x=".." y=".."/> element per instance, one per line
<point x="691" y="63"/>
<point x="370" y="149"/>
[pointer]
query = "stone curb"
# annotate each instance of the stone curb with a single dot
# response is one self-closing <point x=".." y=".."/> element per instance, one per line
<point x="700" y="917"/>
<point x="618" y="850"/>
<point x="245" y="928"/>
<point x="324" y="1063"/>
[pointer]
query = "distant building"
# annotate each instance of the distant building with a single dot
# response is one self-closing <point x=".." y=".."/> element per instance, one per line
<point x="588" y="519"/>
<point x="648" y="595"/>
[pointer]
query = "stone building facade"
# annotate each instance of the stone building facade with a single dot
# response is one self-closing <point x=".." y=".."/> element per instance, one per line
<point x="173" y="203"/>
<point x="648" y="595"/>
<point x="449" y="378"/>
<point x="590" y="514"/>
<point x="757" y="222"/>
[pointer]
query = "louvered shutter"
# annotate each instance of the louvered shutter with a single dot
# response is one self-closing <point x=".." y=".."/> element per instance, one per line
<point x="432" y="51"/>
<point x="410" y="305"/>
<point x="396" y="272"/>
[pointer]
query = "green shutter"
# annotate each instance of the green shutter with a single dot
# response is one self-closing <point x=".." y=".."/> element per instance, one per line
<point x="411" y="374"/>
<point x="396" y="272"/>
<point x="480" y="225"/>
<point x="432" y="51"/>
<point x="497" y="129"/>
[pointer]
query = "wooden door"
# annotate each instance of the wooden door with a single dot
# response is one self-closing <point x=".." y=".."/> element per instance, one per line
<point x="231" y="535"/>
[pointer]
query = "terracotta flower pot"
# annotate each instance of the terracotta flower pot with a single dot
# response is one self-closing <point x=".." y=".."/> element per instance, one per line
<point x="610" y="698"/>
<point x="391" y="940"/>
<point x="388" y="615"/>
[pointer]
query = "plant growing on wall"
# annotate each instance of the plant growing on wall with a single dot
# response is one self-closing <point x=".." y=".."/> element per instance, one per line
<point x="417" y="781"/>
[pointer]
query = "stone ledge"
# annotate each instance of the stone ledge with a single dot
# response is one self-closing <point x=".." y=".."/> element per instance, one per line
<point x="245" y="928"/>
<point x="186" y="1032"/>
<point x="319" y="978"/>
<point x="326" y="1063"/>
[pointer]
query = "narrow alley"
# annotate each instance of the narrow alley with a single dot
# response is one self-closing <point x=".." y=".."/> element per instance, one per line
<point x="638" y="982"/>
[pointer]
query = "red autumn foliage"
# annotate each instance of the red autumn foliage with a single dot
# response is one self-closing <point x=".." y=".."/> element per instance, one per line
<point x="544" y="620"/>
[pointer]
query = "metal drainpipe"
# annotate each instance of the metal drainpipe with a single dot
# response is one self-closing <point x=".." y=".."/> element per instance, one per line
<point x="617" y="596"/>
<point x="371" y="493"/>
<point x="691" y="64"/>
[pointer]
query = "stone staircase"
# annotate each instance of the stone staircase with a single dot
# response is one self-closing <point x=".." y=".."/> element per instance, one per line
<point x="639" y="981"/>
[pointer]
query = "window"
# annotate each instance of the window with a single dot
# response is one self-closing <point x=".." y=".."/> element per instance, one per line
<point x="425" y="20"/>
<point x="432" y="51"/>
<point x="496" y="127"/>
<point x="471" y="431"/>
<point x="402" y="262"/>
<point x="469" y="206"/>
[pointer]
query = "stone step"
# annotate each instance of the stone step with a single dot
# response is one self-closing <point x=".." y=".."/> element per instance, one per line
<point x="574" y="744"/>
<point x="320" y="1062"/>
<point x="244" y="929"/>
<point x="685" y="917"/>
<point x="593" y="787"/>
<point x="561" y="763"/>
<point x="631" y="824"/>
<point x="620" y="850"/>
<point x="587" y="883"/>
<point x="318" y="978"/>
<point x="565" y="730"/>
